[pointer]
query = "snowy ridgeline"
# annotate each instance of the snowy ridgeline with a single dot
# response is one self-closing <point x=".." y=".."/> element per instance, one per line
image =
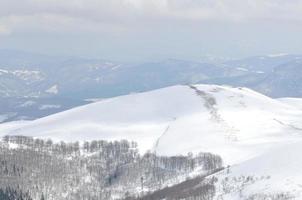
<point x="41" y="169"/>
<point x="198" y="118"/>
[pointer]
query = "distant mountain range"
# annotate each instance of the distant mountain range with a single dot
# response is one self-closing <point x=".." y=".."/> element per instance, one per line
<point x="33" y="85"/>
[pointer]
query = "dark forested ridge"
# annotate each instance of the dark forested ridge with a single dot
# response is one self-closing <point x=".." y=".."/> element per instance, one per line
<point x="42" y="169"/>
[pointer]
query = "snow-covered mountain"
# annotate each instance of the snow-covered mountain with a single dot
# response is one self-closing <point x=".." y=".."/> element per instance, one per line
<point x="180" y="119"/>
<point x="259" y="137"/>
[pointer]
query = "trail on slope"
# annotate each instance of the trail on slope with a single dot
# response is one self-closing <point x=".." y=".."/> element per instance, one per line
<point x="288" y="125"/>
<point x="158" y="139"/>
<point x="210" y="103"/>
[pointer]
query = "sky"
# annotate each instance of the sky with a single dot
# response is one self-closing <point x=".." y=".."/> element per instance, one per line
<point x="134" y="30"/>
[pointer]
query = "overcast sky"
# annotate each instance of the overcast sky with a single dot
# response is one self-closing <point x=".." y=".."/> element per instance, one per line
<point x="134" y="30"/>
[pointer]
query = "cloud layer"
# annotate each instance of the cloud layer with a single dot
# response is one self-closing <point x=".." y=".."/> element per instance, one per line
<point x="100" y="15"/>
<point x="147" y="29"/>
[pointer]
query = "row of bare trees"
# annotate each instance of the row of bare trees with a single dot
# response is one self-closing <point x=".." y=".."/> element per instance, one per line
<point x="90" y="170"/>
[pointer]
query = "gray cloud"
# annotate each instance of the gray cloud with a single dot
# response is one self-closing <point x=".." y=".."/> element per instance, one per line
<point x="58" y="15"/>
<point x="122" y="29"/>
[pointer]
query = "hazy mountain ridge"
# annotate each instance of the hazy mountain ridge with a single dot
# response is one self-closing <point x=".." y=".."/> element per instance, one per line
<point x="26" y="76"/>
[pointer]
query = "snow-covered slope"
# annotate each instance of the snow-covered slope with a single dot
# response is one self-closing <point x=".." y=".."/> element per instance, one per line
<point x="275" y="174"/>
<point x="236" y="123"/>
<point x="296" y="102"/>
<point x="141" y="117"/>
<point x="239" y="125"/>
